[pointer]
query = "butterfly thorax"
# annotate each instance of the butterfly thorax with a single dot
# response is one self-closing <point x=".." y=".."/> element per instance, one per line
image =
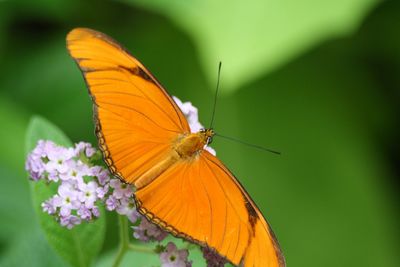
<point x="191" y="144"/>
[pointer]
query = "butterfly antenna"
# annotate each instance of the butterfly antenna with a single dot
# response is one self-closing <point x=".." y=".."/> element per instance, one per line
<point x="248" y="144"/>
<point x="216" y="95"/>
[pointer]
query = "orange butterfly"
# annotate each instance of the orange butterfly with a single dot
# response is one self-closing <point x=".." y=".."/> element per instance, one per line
<point x="146" y="141"/>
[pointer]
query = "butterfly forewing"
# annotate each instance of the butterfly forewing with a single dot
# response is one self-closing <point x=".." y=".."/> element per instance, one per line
<point x="136" y="119"/>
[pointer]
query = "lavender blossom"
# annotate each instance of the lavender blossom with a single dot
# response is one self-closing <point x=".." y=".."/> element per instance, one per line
<point x="76" y="199"/>
<point x="174" y="257"/>
<point x="35" y="163"/>
<point x="70" y="221"/>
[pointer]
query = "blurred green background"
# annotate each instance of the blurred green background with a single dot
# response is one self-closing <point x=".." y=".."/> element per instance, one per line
<point x="317" y="80"/>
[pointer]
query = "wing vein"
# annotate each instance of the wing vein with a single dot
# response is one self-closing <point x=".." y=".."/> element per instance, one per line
<point x="137" y="111"/>
<point x="229" y="200"/>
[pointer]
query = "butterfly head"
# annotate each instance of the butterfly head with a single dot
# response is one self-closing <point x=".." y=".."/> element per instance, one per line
<point x="208" y="135"/>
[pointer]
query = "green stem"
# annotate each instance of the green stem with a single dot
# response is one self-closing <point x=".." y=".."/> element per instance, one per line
<point x="123" y="240"/>
<point x="124" y="244"/>
<point x="139" y="248"/>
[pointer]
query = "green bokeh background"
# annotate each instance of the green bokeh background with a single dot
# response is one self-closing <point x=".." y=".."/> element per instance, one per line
<point x="318" y="81"/>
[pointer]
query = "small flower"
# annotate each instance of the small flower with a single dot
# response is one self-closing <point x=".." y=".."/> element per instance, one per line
<point x="84" y="213"/>
<point x="50" y="206"/>
<point x="34" y="162"/>
<point x="75" y="171"/>
<point x="127" y="207"/>
<point x="147" y="231"/>
<point x="68" y="199"/>
<point x="111" y="203"/>
<point x="212" y="258"/>
<point x="121" y="190"/>
<point x="88" y="194"/>
<point x="172" y="257"/>
<point x="103" y="176"/>
<point x="86" y="148"/>
<point x="95" y="211"/>
<point x="102" y="191"/>
<point x="58" y="157"/>
<point x="53" y="177"/>
<point x="69" y="221"/>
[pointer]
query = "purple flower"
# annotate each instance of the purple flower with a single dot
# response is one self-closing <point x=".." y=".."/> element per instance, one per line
<point x="102" y="191"/>
<point x="212" y="258"/>
<point x="50" y="206"/>
<point x="127" y="207"/>
<point x="172" y="257"/>
<point x="69" y="199"/>
<point x="147" y="231"/>
<point x="75" y="171"/>
<point x="58" y="157"/>
<point x="69" y="221"/>
<point x="53" y="177"/>
<point x="84" y="213"/>
<point x="86" y="148"/>
<point x="103" y="176"/>
<point x="112" y="203"/>
<point x="95" y="211"/>
<point x="35" y="161"/>
<point x="88" y="194"/>
<point x="121" y="190"/>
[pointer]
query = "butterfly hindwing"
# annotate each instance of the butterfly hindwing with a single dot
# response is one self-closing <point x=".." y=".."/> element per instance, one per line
<point x="199" y="199"/>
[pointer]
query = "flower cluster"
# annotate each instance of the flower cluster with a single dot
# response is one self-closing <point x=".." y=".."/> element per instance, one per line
<point x="80" y="185"/>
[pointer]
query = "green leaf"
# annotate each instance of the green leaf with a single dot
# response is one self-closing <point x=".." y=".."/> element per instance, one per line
<point x="80" y="245"/>
<point x="252" y="38"/>
<point x="40" y="128"/>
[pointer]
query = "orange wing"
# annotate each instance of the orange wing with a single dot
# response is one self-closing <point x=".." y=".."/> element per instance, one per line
<point x="136" y="119"/>
<point x="200" y="200"/>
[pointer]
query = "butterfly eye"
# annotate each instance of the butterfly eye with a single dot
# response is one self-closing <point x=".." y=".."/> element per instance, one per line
<point x="209" y="140"/>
